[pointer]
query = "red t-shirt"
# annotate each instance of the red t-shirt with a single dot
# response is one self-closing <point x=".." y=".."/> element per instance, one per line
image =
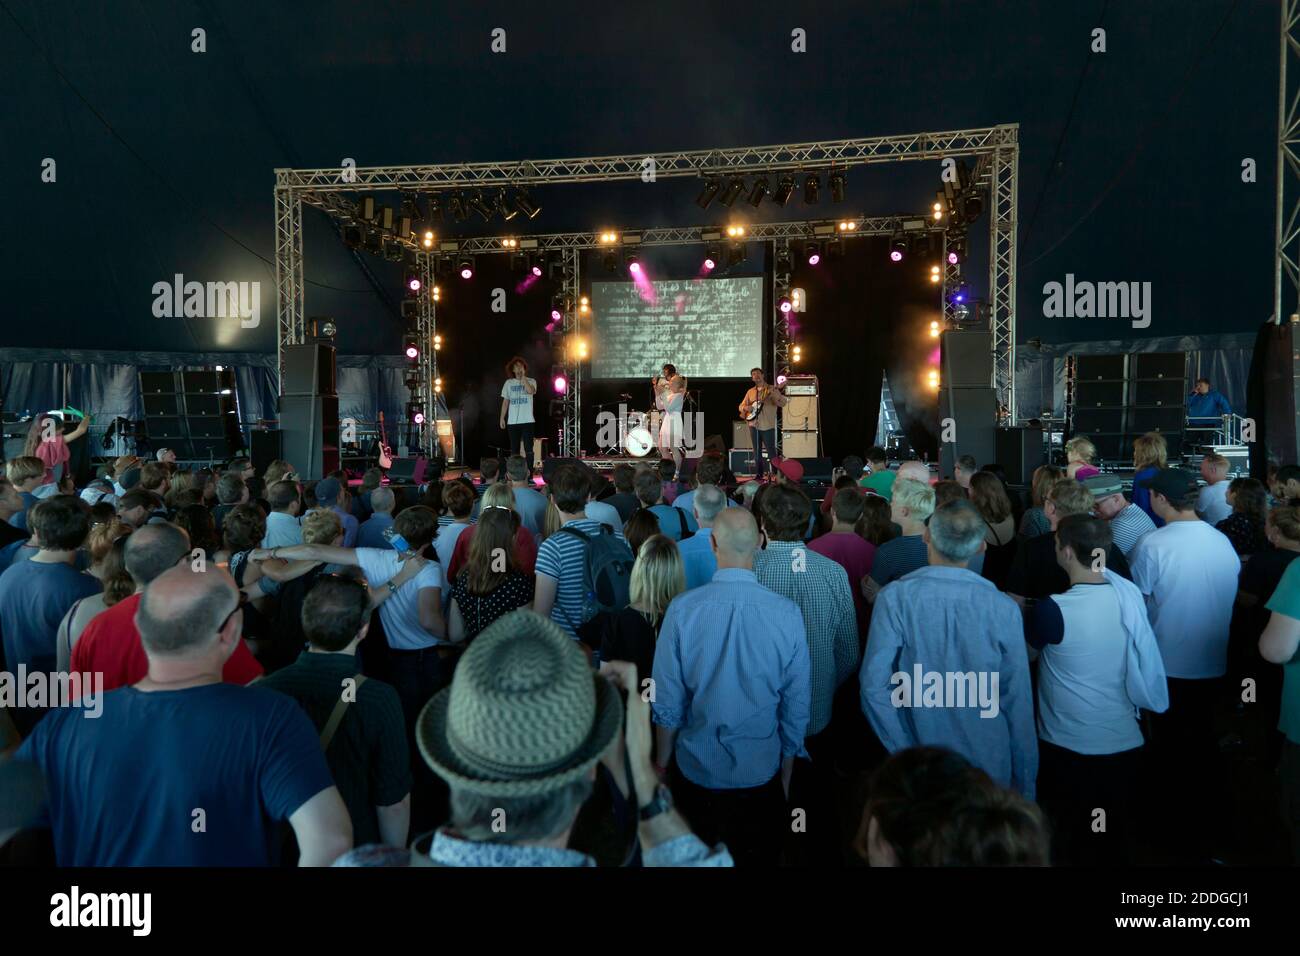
<point x="110" y="645"/>
<point x="525" y="552"/>
<point x="830" y="497"/>
<point x="855" y="555"/>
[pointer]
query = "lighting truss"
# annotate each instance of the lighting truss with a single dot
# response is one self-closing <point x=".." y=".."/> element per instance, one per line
<point x="995" y="149"/>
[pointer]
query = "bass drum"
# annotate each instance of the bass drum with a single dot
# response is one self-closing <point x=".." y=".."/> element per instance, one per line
<point x="639" y="442"/>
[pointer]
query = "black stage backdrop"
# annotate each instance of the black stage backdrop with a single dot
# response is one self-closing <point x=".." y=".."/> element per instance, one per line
<point x="865" y="315"/>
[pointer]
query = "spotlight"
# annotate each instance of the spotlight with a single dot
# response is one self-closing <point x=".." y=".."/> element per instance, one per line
<point x="813" y="253"/>
<point x="634" y="265"/>
<point x="537" y="271"/>
<point x="811" y="186"/>
<point x="411" y="346"/>
<point x="973" y="207"/>
<point x="961" y="311"/>
<point x="413" y="283"/>
<point x="937" y="210"/>
<point x="710" y="263"/>
<point x="707" y="193"/>
<point x="509" y="243"/>
<point x="784" y="189"/>
<point x="608" y="238"/>
<point x="796" y="354"/>
<point x="466" y="269"/>
<point x="435" y="209"/>
<point x="560" y="384"/>
<point x="848" y="225"/>
<point x="897" y="249"/>
<point x="760" y="190"/>
<point x="836" y="182"/>
<point x="780" y="380"/>
<point x="457" y="206"/>
<point x="437" y="342"/>
<point x="934" y="330"/>
<point x="584" y="305"/>
<point x="610" y="261"/>
<point x="736" y="253"/>
<point x="732" y="192"/>
<point x="329" y="330"/>
<point x="953" y="258"/>
<point x="506" y="212"/>
<point x="480" y="207"/>
<point x="436" y="296"/>
<point x="784" y="304"/>
<point x="426" y="239"/>
<point x="525" y="204"/>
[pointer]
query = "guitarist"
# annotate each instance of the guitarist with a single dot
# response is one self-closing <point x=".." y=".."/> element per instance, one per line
<point x="517" y="408"/>
<point x="759" y="409"/>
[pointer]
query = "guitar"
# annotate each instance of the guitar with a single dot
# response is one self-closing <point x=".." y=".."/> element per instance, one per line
<point x="756" y="407"/>
<point x="385" y="452"/>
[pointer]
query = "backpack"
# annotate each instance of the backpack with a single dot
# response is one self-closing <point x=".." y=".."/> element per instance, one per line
<point x="607" y="571"/>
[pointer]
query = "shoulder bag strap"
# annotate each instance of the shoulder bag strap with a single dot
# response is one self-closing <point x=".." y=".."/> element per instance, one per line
<point x="336" y="716"/>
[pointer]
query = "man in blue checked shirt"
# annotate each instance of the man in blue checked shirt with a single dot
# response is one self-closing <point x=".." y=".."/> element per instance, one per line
<point x="946" y="664"/>
<point x="732" y="694"/>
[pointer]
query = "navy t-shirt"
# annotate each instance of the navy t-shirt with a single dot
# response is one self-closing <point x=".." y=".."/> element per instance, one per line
<point x="34" y="596"/>
<point x="193" y="777"/>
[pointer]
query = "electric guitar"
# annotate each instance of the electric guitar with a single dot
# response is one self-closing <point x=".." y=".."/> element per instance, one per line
<point x="385" y="452"/>
<point x="756" y="407"/>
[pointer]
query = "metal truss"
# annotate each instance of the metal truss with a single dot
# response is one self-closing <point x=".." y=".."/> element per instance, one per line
<point x="741" y="160"/>
<point x="291" y="322"/>
<point x="426" y="326"/>
<point x="996" y="151"/>
<point x="1286" y="267"/>
<point x="782" y="340"/>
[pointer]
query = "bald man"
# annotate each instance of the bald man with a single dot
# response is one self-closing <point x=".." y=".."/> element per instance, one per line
<point x="733" y="690"/>
<point x="153" y="783"/>
<point x="916" y="470"/>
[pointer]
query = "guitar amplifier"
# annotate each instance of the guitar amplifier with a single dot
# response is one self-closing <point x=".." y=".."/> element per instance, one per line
<point x="740" y="434"/>
<point x="800" y="385"/>
<point x="742" y="462"/>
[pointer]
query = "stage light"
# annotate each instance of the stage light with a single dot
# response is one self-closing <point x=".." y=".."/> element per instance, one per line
<point x="938" y="210"/>
<point x="735" y="232"/>
<point x="797" y="300"/>
<point x="427" y="239"/>
<point x="411" y="346"/>
<point x="934" y="330"/>
<point x="524" y="203"/>
<point x="897" y="249"/>
<point x="710" y="264"/>
<point x="537" y="271"/>
<point x="509" y="243"/>
<point x="457" y="206"/>
<point x="606" y="238"/>
<point x="437" y="293"/>
<point x="435" y="209"/>
<point x="813" y="253"/>
<point x="437" y="342"/>
<point x="796" y="355"/>
<point x="934" y="379"/>
<point x="736" y="253"/>
<point x="760" y="190"/>
<point x="413" y="283"/>
<point x="935" y="275"/>
<point x="784" y="189"/>
<point x="581" y="346"/>
<point x="506" y="212"/>
<point x="556" y="315"/>
<point x="811" y="186"/>
<point x="848" y="225"/>
<point x="732" y="192"/>
<point x="961" y="311"/>
<point x="584" y="305"/>
<point x="784" y="304"/>
<point x="634" y="265"/>
<point x="466" y="269"/>
<point x="707" y="193"/>
<point x="480" y="207"/>
<point x="836" y="182"/>
<point x="561" y="384"/>
<point x="780" y="380"/>
<point x="973" y="206"/>
<point x="610" y="261"/>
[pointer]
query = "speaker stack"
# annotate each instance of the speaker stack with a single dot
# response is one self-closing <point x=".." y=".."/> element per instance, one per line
<point x="967" y="397"/>
<point x="1118" y="398"/>
<point x="309" y="410"/>
<point x="191" y="412"/>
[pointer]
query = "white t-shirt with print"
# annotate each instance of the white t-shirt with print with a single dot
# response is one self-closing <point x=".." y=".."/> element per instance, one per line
<point x="521" y="403"/>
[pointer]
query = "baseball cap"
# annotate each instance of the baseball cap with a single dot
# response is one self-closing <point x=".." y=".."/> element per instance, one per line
<point x="1170" y="482"/>
<point x="327" y="490"/>
<point x="1103" y="486"/>
<point x="788" y="467"/>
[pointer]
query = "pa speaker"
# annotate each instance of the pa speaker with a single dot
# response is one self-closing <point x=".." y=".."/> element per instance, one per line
<point x="1103" y="394"/>
<point x="266" y="448"/>
<point x="158" y="383"/>
<point x="1092" y="368"/>
<point x="1089" y="420"/>
<point x="1165" y="365"/>
<point x="1019" y="451"/>
<point x="310" y="434"/>
<point x="974" y="418"/>
<point x="1155" y="419"/>
<point x="1168" y="392"/>
<point x="967" y="359"/>
<point x="308" y="370"/>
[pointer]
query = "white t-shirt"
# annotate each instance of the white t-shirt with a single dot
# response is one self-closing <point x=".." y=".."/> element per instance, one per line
<point x="521" y="403"/>
<point x="606" y="514"/>
<point x="401" y="612"/>
<point x="1212" y="503"/>
<point x="1188" y="572"/>
<point x="444" y="544"/>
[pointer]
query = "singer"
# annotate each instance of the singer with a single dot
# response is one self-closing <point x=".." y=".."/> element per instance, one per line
<point x="759" y="408"/>
<point x="517" y="408"/>
<point x="670" y="394"/>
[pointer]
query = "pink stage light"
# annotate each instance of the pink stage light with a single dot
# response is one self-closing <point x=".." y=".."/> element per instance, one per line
<point x="537" y="271"/>
<point x="413" y="284"/>
<point x="895" y="256"/>
<point x="556" y="315"/>
<point x="780" y="380"/>
<point x="419" y="418"/>
<point x="412" y="352"/>
<point x="467" y="273"/>
<point x="814" y="259"/>
<point x="786" y="305"/>
<point x="709" y="265"/>
<point x="561" y="384"/>
<point x="635" y="268"/>
<point x="952" y="258"/>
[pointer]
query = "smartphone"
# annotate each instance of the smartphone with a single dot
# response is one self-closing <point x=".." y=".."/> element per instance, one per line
<point x="397" y="542"/>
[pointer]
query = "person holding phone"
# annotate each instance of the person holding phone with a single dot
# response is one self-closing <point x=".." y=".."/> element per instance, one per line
<point x="517" y="408"/>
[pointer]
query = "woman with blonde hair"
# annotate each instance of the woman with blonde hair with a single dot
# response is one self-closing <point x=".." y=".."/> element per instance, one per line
<point x="525" y="551"/>
<point x="1150" y="455"/>
<point x="658" y="576"/>
<point x="1079" y="453"/>
<point x="1035" y="520"/>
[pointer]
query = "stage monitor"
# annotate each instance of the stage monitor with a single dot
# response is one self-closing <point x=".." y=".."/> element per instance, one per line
<point x="708" y="328"/>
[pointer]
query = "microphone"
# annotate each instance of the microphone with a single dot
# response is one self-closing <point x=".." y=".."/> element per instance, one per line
<point x="625" y="395"/>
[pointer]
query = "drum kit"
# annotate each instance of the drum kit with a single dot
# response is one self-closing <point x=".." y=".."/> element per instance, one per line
<point x="642" y="433"/>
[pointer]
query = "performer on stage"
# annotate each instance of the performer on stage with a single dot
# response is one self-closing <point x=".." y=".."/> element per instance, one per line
<point x="517" y="408"/>
<point x="759" y="409"/>
<point x="670" y="394"/>
<point x="46" y="441"/>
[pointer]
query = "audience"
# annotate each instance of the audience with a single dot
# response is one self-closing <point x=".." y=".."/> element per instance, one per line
<point x="733" y="688"/>
<point x="1212" y="503"/>
<point x="673" y="522"/>
<point x="878" y="478"/>
<point x="876" y="526"/>
<point x="1034" y="573"/>
<point x="107" y="545"/>
<point x="328" y="492"/>
<point x="1079" y="453"/>
<point x="1034" y="522"/>
<point x="529" y="502"/>
<point x="630" y="634"/>
<point x="708" y="473"/>
<point x="964" y="470"/>
<point x="946" y="663"/>
<point x="25" y="475"/>
<point x="843" y="545"/>
<point x="624" y="499"/>
<point x="494" y="581"/>
<point x="911" y="507"/>
<point x="643" y="525"/>
<point x="1150" y="455"/>
<point x="989" y="496"/>
<point x="458" y="499"/>
<point x="525" y="550"/>
<point x="601" y="511"/>
<point x="1246" y="526"/>
<point x="1129" y="524"/>
<point x="231" y="492"/>
<point x="1280" y="644"/>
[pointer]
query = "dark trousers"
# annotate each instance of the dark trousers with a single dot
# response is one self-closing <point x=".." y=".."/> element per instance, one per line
<point x="758" y="440"/>
<point x="818" y="840"/>
<point x="417" y="676"/>
<point x="751" y="821"/>
<point x="522" y="435"/>
<point x="1073" y="787"/>
<point x="1291" y="795"/>
<point x="1188" y="777"/>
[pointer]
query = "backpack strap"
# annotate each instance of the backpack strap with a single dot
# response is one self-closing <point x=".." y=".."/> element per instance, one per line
<point x="681" y="518"/>
<point x="336" y="716"/>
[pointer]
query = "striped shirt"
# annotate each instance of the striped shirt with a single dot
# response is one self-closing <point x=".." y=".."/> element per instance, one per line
<point x="1129" y="527"/>
<point x="731" y="675"/>
<point x="563" y="558"/>
<point x="820" y="589"/>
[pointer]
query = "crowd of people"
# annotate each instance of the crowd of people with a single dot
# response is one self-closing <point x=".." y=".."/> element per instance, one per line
<point x="640" y="670"/>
